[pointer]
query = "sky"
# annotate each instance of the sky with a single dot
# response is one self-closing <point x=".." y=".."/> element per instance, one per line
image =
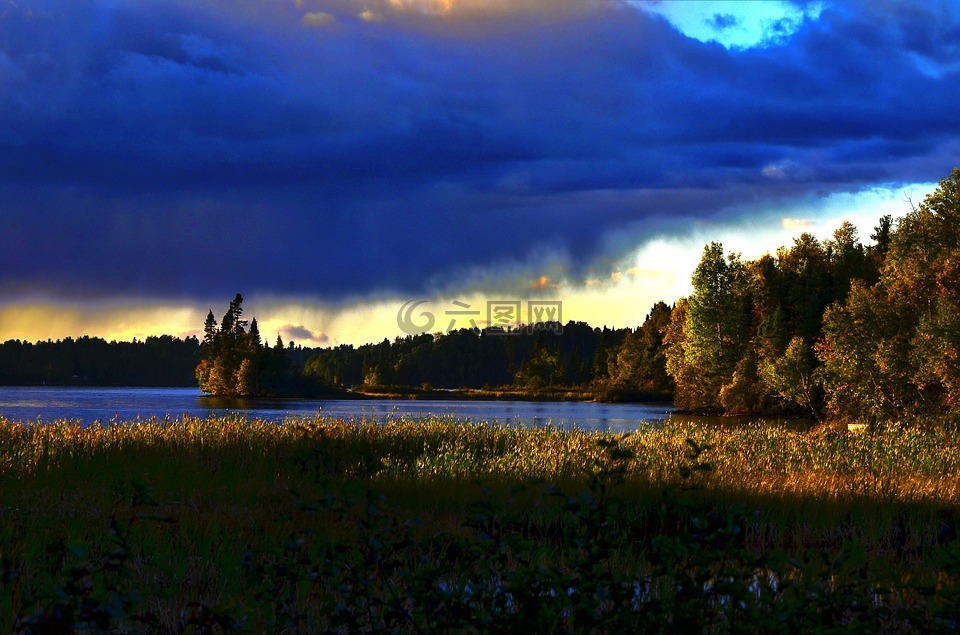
<point x="336" y="161"/>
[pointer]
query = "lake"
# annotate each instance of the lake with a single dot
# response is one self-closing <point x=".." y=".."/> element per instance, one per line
<point x="91" y="404"/>
<point x="87" y="405"/>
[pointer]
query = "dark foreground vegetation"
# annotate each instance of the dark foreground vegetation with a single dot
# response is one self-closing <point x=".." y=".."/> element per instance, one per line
<point x="230" y="525"/>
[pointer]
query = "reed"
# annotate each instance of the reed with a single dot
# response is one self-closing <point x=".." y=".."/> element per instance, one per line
<point x="233" y="524"/>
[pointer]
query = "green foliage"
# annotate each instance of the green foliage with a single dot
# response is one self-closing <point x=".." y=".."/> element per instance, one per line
<point x="791" y="376"/>
<point x="868" y="333"/>
<point x="891" y="350"/>
<point x="640" y="364"/>
<point x="716" y="319"/>
<point x="774" y="335"/>
<point x="705" y="349"/>
<point x="866" y="358"/>
<point x="542" y="369"/>
<point x="572" y="355"/>
<point x="742" y="393"/>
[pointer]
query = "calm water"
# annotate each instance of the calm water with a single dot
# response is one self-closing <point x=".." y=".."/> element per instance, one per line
<point x="91" y="404"/>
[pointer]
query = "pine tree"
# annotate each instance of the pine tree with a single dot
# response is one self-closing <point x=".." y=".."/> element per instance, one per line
<point x="210" y="329"/>
<point x="232" y="360"/>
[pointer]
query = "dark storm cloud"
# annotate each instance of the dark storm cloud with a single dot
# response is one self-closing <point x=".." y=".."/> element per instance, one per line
<point x="301" y="333"/>
<point x="191" y="150"/>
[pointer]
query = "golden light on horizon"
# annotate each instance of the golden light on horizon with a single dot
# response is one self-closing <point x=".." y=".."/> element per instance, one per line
<point x="317" y="19"/>
<point x="41" y="321"/>
<point x="450" y="8"/>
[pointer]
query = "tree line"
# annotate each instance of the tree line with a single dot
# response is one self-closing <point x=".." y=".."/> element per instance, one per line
<point x="835" y="328"/>
<point x="549" y="356"/>
<point x="820" y="328"/>
<point x="92" y="361"/>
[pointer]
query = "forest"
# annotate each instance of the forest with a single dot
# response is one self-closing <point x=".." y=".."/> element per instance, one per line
<point x="833" y="328"/>
<point x="92" y="361"/>
<point x="157" y="361"/>
<point x="576" y="355"/>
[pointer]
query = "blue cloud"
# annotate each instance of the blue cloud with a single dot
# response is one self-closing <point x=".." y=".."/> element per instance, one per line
<point x="167" y="150"/>
<point x="723" y="21"/>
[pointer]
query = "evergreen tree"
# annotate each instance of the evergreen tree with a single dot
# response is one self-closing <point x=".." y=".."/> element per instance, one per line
<point x="640" y="365"/>
<point x="256" y="343"/>
<point x="231" y="359"/>
<point x="210" y="330"/>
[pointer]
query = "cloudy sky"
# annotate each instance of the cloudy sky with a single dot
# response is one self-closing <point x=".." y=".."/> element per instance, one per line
<point x="335" y="159"/>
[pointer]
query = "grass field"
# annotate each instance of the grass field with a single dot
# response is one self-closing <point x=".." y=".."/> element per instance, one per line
<point x="229" y="524"/>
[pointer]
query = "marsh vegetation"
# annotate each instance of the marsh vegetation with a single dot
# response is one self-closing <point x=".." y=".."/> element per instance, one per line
<point x="316" y="525"/>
